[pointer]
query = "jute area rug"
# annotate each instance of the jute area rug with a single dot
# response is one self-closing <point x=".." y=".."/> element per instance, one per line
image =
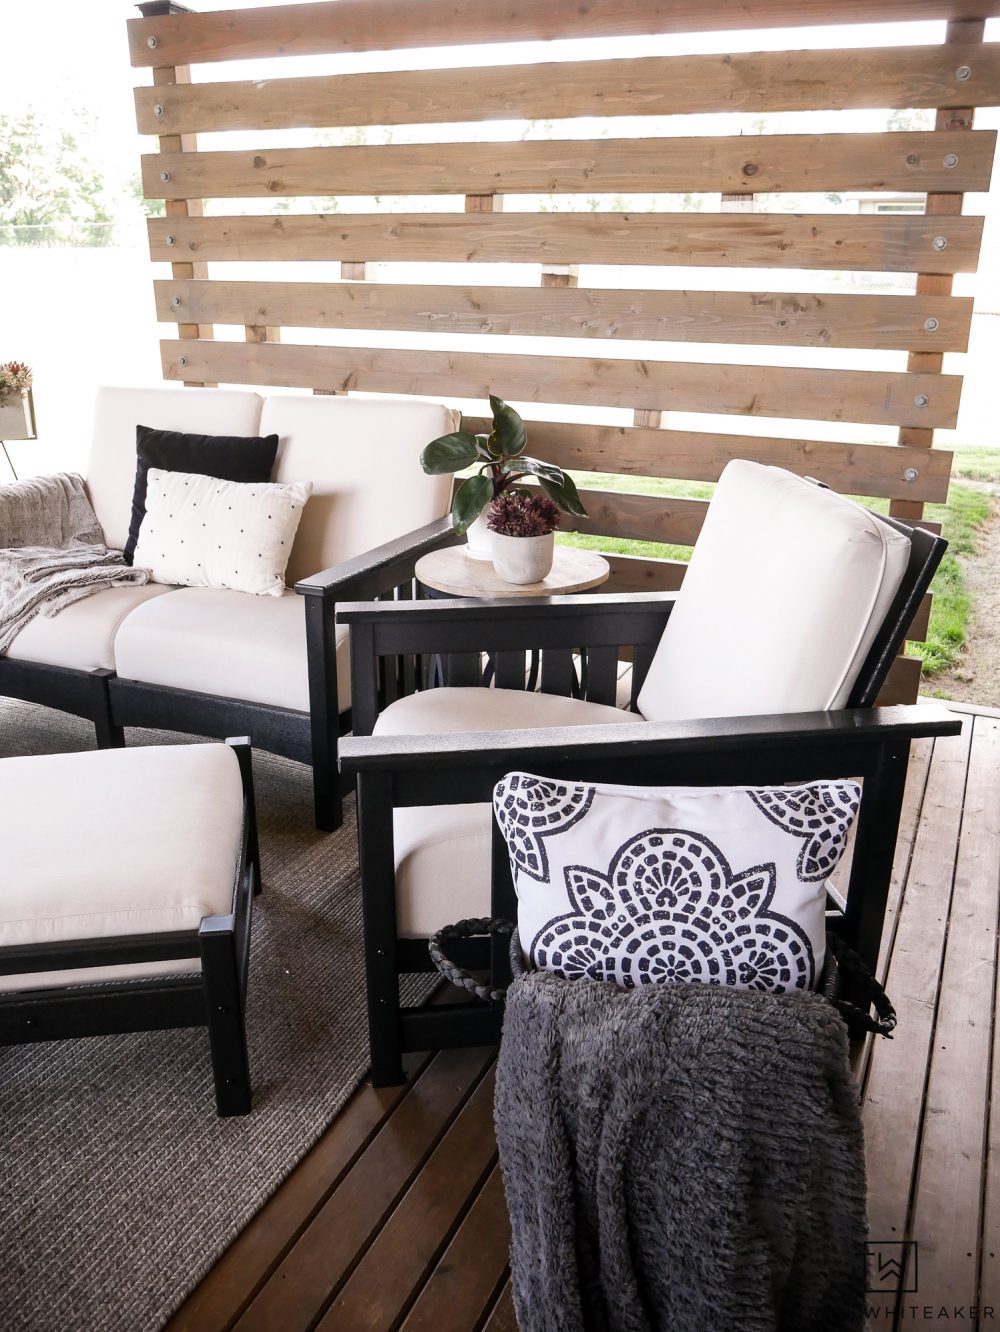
<point x="119" y="1186"/>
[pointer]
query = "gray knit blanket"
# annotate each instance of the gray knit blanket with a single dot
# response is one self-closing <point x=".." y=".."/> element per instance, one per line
<point x="52" y="552"/>
<point x="680" y="1157"/>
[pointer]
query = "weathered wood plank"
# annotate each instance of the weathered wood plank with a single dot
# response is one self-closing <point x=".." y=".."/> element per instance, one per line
<point x="945" y="1215"/>
<point x="465" y="1281"/>
<point x="828" y="395"/>
<point x="325" y="1253"/>
<point x="902" y="683"/>
<point x="990" y="1255"/>
<point x="893" y="1106"/>
<point x="795" y="319"/>
<point x="633" y="573"/>
<point x="773" y="163"/>
<point x="905" y="76"/>
<point x="617" y="513"/>
<point x="502" y="1317"/>
<point x="377" y="1293"/>
<point x="365" y="25"/>
<point x="855" y="469"/>
<point x="901" y="244"/>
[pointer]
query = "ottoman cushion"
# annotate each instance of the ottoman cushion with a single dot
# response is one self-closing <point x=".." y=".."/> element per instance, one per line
<point x="116" y="842"/>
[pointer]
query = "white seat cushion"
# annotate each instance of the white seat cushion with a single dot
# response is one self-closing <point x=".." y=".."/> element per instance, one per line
<point x="229" y="644"/>
<point x="82" y="636"/>
<point x="443" y="851"/>
<point x="787" y="587"/>
<point x="117" y="412"/>
<point x="362" y="457"/>
<point x="116" y="842"/>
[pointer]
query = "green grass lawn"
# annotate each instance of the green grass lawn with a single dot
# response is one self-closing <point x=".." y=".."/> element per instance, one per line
<point x="961" y="518"/>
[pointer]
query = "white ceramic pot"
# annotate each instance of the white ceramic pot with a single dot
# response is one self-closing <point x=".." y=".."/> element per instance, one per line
<point x="16" y="417"/>
<point x="479" y="539"/>
<point x="523" y="559"/>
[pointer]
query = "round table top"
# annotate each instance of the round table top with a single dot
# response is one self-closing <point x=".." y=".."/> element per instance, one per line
<point x="457" y="574"/>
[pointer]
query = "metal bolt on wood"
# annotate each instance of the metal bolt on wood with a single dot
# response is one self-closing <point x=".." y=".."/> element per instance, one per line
<point x="175" y="301"/>
<point x="171" y="240"/>
<point x="157" y="110"/>
<point x="182" y="360"/>
<point x="963" y="73"/>
<point x="951" y="160"/>
<point x="910" y="474"/>
<point x="152" y="42"/>
<point x="940" y="242"/>
<point x="164" y="176"/>
<point x="932" y="325"/>
<point x="921" y="400"/>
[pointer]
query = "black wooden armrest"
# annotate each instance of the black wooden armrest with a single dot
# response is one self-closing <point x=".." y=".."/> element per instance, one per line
<point x="855" y="727"/>
<point x="380" y="569"/>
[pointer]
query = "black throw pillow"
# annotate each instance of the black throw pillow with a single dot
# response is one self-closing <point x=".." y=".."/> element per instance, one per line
<point x="229" y="457"/>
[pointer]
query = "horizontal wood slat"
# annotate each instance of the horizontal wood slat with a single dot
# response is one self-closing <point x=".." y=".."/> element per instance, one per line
<point x="914" y="76"/>
<point x="824" y="241"/>
<point x="634" y="573"/>
<point x="902" y="684"/>
<point x="662" y="518"/>
<point x="766" y="163"/>
<point x="826" y="395"/>
<point x="796" y="319"/>
<point x="366" y="25"/>
<point x="853" y="469"/>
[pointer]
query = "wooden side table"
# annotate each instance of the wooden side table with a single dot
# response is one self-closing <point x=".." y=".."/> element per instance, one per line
<point x="451" y="573"/>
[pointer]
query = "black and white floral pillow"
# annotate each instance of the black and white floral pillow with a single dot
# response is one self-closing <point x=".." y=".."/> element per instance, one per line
<point x="722" y="885"/>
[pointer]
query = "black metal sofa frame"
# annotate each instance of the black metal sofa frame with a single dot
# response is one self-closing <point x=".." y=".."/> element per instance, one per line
<point x="388" y="644"/>
<point x="215" y="998"/>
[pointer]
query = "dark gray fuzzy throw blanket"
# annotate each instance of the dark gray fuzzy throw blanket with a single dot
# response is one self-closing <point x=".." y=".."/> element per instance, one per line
<point x="680" y="1157"/>
<point x="52" y="551"/>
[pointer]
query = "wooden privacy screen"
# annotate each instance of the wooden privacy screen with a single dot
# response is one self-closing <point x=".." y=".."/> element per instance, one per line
<point x="938" y="165"/>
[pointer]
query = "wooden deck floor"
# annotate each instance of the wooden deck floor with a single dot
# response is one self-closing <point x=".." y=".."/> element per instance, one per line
<point x="396" y="1219"/>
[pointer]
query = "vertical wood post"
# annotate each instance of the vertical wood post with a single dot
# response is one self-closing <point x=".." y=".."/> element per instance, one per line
<point x="165" y="75"/>
<point x="937" y="284"/>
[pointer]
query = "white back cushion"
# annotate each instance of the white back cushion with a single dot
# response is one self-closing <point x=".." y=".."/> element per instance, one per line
<point x="363" y="457"/>
<point x="117" y="412"/>
<point x="786" y="589"/>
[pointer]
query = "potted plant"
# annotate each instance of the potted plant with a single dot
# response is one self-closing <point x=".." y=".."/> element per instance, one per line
<point x="502" y="464"/>
<point x="524" y="528"/>
<point x="17" y="418"/>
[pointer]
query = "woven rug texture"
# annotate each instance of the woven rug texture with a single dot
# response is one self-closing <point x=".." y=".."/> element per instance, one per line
<point x="119" y="1186"/>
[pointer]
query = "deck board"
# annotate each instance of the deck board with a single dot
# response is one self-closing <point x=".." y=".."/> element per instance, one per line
<point x="396" y="1220"/>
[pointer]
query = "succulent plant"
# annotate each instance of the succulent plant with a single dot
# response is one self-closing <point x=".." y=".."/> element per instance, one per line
<point x="517" y="515"/>
<point x="502" y="465"/>
<point x="15" y="379"/>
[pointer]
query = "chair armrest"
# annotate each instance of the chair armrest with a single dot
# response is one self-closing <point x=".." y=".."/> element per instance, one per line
<point x="421" y="763"/>
<point x="382" y="568"/>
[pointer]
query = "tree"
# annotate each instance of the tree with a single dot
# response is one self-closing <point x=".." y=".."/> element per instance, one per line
<point x="49" y="189"/>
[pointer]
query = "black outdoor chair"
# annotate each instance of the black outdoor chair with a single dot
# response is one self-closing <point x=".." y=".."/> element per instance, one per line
<point x="763" y="670"/>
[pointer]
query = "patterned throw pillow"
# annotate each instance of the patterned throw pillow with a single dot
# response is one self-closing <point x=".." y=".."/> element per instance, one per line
<point x="200" y="531"/>
<point x="722" y="885"/>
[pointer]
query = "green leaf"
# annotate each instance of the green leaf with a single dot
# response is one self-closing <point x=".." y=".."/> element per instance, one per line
<point x="450" y="453"/>
<point x="471" y="498"/>
<point x="508" y="429"/>
<point x="554" y="483"/>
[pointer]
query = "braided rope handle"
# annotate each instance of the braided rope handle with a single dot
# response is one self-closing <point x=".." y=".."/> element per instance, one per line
<point x="468" y="929"/>
<point x="844" y="964"/>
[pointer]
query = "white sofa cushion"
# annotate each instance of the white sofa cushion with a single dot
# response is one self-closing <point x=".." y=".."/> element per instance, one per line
<point x="443" y="851"/>
<point x="201" y="531"/>
<point x="362" y="456"/>
<point x="786" y="589"/>
<point x="117" y="412"/>
<point x="641" y="885"/>
<point x="229" y="644"/>
<point x="82" y="635"/>
<point x="175" y="813"/>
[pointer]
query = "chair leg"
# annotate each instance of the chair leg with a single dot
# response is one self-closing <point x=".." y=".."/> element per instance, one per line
<point x="226" y="1025"/>
<point x="109" y="736"/>
<point x="378" y="907"/>
<point x="328" y="803"/>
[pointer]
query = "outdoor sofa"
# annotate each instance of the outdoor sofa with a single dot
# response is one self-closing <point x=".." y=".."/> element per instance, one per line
<point x="217" y="662"/>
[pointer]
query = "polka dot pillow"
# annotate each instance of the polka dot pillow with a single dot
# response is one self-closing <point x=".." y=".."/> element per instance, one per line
<point x="203" y="532"/>
<point x="720" y="885"/>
